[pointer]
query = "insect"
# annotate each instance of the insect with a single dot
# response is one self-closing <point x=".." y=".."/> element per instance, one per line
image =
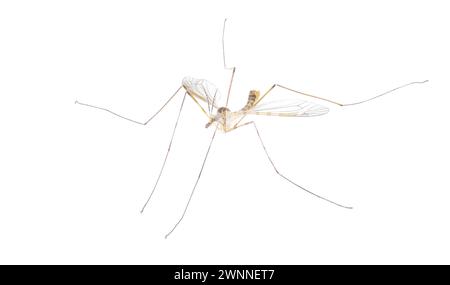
<point x="209" y="100"/>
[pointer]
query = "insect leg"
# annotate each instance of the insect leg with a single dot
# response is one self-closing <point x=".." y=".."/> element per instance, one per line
<point x="167" y="154"/>
<point x="337" y="103"/>
<point x="228" y="96"/>
<point x="131" y="120"/>
<point x="325" y="99"/>
<point x="196" y="182"/>
<point x="225" y="66"/>
<point x="241" y="125"/>
<point x="282" y="175"/>
<point x="229" y="87"/>
<point x="223" y="46"/>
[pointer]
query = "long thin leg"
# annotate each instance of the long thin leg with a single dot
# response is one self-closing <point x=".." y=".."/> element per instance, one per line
<point x="196" y="182"/>
<point x="284" y="177"/>
<point x="229" y="87"/>
<point x="131" y="120"/>
<point x="233" y="69"/>
<point x="328" y="100"/>
<point x="337" y="103"/>
<point x="223" y="46"/>
<point x="167" y="154"/>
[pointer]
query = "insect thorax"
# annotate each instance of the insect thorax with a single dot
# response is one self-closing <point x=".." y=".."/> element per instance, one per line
<point x="223" y="110"/>
<point x="222" y="117"/>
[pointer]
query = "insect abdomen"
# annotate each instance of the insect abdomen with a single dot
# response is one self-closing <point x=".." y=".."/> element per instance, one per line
<point x="252" y="98"/>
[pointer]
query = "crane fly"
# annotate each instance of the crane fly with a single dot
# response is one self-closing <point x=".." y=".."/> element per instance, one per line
<point x="209" y="100"/>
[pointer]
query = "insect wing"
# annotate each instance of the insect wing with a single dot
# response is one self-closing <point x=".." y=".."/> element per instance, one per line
<point x="204" y="90"/>
<point x="289" y="108"/>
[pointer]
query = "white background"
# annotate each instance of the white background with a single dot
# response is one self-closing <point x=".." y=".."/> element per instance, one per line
<point x="73" y="179"/>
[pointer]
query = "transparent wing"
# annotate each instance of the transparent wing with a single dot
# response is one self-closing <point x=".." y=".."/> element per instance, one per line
<point x="204" y="90"/>
<point x="289" y="108"/>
